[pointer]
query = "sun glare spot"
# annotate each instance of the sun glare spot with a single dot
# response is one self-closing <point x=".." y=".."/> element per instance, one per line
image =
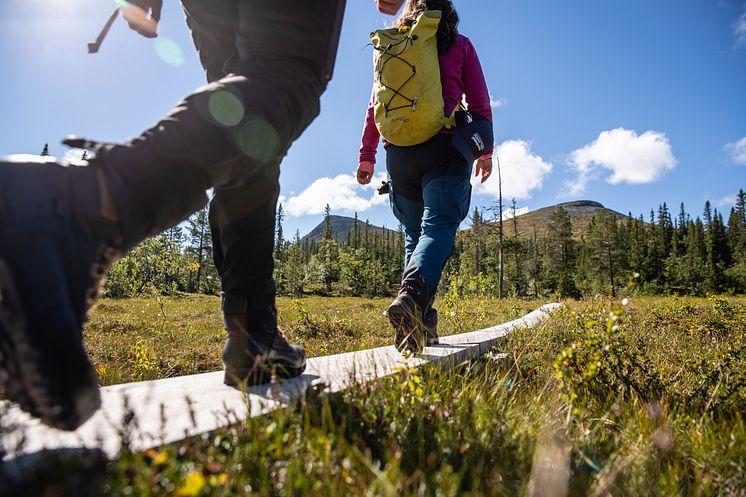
<point x="258" y="139"/>
<point x="225" y="108"/>
<point x="169" y="52"/>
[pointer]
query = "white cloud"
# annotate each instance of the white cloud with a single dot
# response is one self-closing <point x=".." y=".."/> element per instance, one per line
<point x="737" y="151"/>
<point x="73" y="154"/>
<point x="342" y="193"/>
<point x="510" y="214"/>
<point x="727" y="201"/>
<point x="522" y="172"/>
<point x="739" y="30"/>
<point x="629" y="157"/>
<point x="497" y="102"/>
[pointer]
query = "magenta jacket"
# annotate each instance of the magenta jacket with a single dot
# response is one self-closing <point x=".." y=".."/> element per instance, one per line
<point x="460" y="75"/>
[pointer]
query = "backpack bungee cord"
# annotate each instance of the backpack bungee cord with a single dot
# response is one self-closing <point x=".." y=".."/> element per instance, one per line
<point x="387" y="54"/>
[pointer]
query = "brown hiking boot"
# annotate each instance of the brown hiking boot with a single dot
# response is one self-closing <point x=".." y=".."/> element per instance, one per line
<point x="430" y="327"/>
<point x="253" y="357"/>
<point x="405" y="315"/>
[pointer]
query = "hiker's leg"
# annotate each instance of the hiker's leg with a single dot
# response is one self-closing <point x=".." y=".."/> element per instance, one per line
<point x="446" y="192"/>
<point x="223" y="133"/>
<point x="56" y="244"/>
<point x="406" y="312"/>
<point x="405" y="196"/>
<point x="213" y="26"/>
<point x="242" y="217"/>
<point x="245" y="217"/>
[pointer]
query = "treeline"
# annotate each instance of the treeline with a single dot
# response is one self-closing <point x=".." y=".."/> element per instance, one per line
<point x="661" y="255"/>
<point x="177" y="260"/>
<point x="367" y="263"/>
<point x="665" y="255"/>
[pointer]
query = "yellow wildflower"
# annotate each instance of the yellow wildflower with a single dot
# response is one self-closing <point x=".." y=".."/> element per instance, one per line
<point x="193" y="485"/>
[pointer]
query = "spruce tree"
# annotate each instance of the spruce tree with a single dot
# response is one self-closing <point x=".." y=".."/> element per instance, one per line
<point x="560" y="254"/>
<point x="200" y="247"/>
<point x="295" y="267"/>
<point x="279" y="235"/>
<point x="717" y="254"/>
<point x="695" y="258"/>
<point x="356" y="232"/>
<point x="476" y="226"/>
<point x="328" y="234"/>
<point x="501" y="292"/>
<point x="604" y="251"/>
<point x="736" y="273"/>
<point x="638" y="248"/>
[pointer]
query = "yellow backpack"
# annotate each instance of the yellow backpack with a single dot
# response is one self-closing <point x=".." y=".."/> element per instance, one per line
<point x="408" y="97"/>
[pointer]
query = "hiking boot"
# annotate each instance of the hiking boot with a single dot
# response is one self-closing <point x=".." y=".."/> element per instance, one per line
<point x="54" y="254"/>
<point x="253" y="356"/>
<point x="405" y="315"/>
<point x="430" y="327"/>
<point x="55" y="250"/>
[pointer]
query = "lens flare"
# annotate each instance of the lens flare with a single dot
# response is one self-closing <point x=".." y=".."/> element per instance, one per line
<point x="169" y="52"/>
<point x="225" y="108"/>
<point x="258" y="139"/>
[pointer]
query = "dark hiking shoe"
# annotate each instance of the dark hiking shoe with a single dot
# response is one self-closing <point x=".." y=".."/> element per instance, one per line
<point x="430" y="327"/>
<point x="405" y="315"/>
<point x="255" y="357"/>
<point x="54" y="254"/>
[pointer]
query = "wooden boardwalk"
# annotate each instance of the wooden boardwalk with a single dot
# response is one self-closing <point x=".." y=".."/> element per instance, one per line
<point x="172" y="409"/>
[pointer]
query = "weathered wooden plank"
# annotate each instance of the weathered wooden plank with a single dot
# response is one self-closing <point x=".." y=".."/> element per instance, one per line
<point x="172" y="409"/>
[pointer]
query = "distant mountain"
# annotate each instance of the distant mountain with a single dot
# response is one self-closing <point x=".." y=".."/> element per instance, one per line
<point x="581" y="212"/>
<point x="341" y="226"/>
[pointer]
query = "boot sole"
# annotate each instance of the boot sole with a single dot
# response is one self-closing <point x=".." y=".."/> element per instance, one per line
<point x="19" y="376"/>
<point x="260" y="375"/>
<point x="408" y="334"/>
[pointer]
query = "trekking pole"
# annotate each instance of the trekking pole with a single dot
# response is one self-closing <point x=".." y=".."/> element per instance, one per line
<point x="95" y="45"/>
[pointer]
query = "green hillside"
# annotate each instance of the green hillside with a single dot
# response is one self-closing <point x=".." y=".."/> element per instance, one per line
<point x="581" y="212"/>
<point x="341" y="226"/>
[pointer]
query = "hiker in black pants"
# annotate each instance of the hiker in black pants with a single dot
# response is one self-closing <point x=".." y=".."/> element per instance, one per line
<point x="62" y="227"/>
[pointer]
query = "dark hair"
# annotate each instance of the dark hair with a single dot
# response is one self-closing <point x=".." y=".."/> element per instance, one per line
<point x="448" y="27"/>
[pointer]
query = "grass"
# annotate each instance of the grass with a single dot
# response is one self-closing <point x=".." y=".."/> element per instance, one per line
<point x="605" y="398"/>
<point x="144" y="339"/>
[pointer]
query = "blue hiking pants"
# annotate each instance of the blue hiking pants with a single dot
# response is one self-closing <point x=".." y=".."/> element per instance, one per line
<point x="430" y="196"/>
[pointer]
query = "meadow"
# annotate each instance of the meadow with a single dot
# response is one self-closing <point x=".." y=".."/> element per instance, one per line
<point x="151" y="338"/>
<point x="636" y="397"/>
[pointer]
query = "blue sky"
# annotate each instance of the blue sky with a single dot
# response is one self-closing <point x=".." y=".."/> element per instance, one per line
<point x="627" y="103"/>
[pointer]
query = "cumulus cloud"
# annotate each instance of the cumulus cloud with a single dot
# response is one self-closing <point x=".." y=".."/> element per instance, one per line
<point x="342" y="193"/>
<point x="522" y="172"/>
<point x="737" y="151"/>
<point x="629" y="157"/>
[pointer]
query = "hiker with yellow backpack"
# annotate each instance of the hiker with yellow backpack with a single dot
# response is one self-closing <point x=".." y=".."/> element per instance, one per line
<point x="424" y="70"/>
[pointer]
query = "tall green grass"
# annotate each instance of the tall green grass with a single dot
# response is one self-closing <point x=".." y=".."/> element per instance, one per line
<point x="604" y="399"/>
<point x="145" y="339"/>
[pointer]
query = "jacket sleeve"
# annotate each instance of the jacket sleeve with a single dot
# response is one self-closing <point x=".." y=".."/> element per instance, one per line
<point x="371" y="136"/>
<point x="475" y="88"/>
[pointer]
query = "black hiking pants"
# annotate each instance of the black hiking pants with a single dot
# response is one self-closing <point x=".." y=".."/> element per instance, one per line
<point x="267" y="63"/>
